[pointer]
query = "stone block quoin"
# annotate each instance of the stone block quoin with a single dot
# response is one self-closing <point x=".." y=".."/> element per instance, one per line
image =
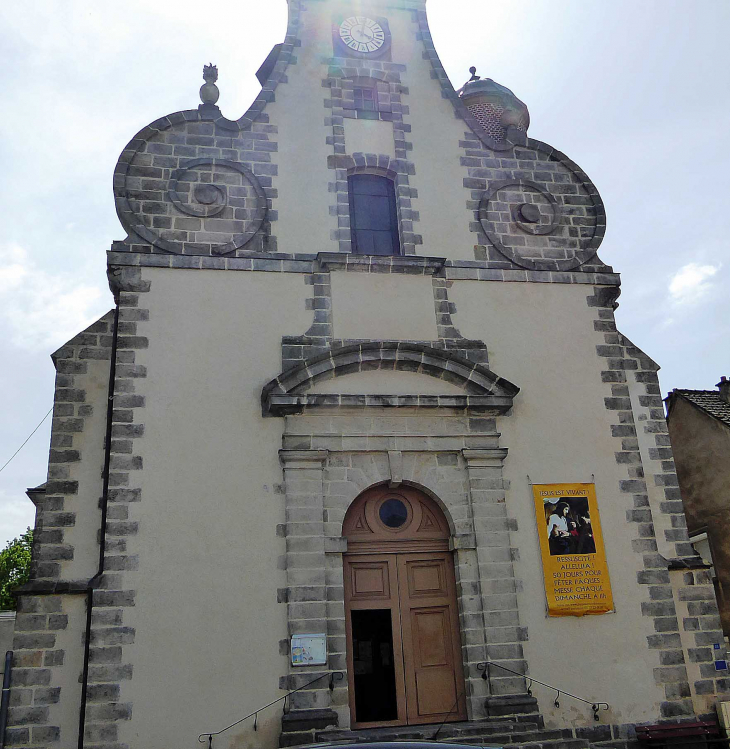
<point x="110" y="665"/>
<point x="44" y="604"/>
<point x="678" y="641"/>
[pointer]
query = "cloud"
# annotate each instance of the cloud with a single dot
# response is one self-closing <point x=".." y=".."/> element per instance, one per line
<point x="18" y="514"/>
<point x="691" y="283"/>
<point x="42" y="310"/>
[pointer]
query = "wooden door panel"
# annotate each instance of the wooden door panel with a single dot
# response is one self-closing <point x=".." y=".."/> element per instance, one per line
<point x="370" y="580"/>
<point x="431" y="648"/>
<point x="433" y="661"/>
<point x="436" y="695"/>
<point x="427" y="578"/>
<point x="432" y="638"/>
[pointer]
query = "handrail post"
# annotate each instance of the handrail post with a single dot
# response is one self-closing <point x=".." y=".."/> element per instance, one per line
<point x="595" y="706"/>
<point x="333" y="675"/>
<point x="5" y="701"/>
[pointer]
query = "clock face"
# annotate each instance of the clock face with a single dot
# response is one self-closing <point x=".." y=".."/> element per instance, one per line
<point x="362" y="34"/>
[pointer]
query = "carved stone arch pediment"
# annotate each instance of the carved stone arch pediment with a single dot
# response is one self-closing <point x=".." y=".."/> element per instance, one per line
<point x="482" y="388"/>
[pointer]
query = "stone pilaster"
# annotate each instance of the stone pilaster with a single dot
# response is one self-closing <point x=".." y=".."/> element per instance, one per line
<point x="498" y="585"/>
<point x="306" y="592"/>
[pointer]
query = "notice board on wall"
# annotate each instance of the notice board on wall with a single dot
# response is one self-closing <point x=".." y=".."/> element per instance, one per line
<point x="573" y="556"/>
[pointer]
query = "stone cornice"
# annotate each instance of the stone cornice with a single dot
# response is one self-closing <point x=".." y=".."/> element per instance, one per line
<point x="270" y="262"/>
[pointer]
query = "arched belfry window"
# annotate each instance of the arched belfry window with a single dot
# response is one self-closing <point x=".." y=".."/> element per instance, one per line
<point x="373" y="215"/>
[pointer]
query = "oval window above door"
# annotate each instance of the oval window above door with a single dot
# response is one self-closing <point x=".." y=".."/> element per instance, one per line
<point x="393" y="512"/>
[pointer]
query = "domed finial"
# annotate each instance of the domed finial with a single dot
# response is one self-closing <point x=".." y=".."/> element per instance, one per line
<point x="496" y="109"/>
<point x="209" y="92"/>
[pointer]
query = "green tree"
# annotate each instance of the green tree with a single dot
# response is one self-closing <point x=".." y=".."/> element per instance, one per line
<point x="14" y="568"/>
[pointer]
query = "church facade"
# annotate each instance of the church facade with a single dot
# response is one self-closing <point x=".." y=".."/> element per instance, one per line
<point x="358" y="334"/>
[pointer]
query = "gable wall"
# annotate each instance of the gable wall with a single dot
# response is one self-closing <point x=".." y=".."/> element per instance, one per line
<point x="212" y="510"/>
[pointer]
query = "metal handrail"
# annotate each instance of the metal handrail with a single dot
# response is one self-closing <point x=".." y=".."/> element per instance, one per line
<point x="595" y="706"/>
<point x="333" y="675"/>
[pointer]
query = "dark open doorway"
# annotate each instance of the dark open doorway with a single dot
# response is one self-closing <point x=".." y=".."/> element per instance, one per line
<point x="374" y="665"/>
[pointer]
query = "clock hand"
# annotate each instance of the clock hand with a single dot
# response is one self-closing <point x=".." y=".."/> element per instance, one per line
<point x="361" y="34"/>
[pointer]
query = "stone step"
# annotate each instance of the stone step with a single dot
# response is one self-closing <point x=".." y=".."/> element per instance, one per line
<point x="552" y="744"/>
<point x="530" y="740"/>
<point x="487" y="729"/>
<point x="513" y="732"/>
<point x="521" y="738"/>
<point x="509" y="733"/>
<point x="297" y="738"/>
<point x="453" y="732"/>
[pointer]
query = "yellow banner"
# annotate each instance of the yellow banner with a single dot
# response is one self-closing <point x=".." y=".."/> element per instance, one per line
<point x="573" y="556"/>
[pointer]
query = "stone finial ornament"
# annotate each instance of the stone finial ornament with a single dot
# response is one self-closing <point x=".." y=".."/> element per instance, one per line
<point x="495" y="107"/>
<point x="209" y="92"/>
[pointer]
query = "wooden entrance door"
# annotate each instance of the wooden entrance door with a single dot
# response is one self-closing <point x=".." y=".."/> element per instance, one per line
<point x="403" y="646"/>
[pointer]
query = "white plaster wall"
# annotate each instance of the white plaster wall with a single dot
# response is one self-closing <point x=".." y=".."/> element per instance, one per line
<point x="65" y="714"/>
<point x="436" y="132"/>
<point x="369" y="136"/>
<point x="541" y="338"/>
<point x="7" y="622"/>
<point x="207" y="621"/>
<point x="382" y="306"/>
<point x="304" y="222"/>
<point x="88" y="472"/>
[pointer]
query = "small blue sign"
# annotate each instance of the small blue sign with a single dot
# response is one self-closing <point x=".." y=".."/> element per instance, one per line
<point x="720" y="665"/>
<point x="716" y="646"/>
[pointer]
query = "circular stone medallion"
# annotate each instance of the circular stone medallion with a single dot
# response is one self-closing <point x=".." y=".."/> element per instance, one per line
<point x="531" y="227"/>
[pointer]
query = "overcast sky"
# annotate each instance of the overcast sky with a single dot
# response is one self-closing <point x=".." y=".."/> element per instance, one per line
<point x="635" y="91"/>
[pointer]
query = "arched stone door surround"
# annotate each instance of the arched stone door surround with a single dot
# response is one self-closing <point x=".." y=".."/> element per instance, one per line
<point x="404" y="658"/>
<point x="460" y="470"/>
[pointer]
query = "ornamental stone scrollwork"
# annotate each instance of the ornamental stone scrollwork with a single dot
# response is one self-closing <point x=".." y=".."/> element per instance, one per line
<point x="191" y="194"/>
<point x="538" y="230"/>
<point x="196" y="183"/>
<point x="210" y="205"/>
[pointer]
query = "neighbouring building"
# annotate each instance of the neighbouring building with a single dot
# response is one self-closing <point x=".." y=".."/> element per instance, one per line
<point x="699" y="427"/>
<point x="360" y="422"/>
